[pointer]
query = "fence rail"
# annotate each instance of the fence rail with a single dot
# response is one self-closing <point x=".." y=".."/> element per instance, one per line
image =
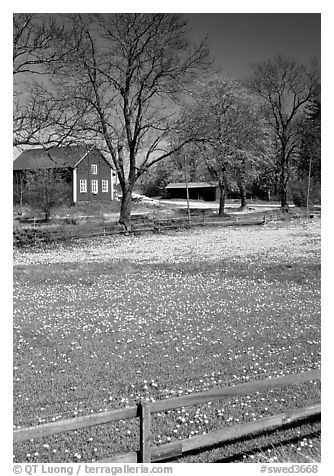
<point x="54" y="428"/>
<point x="148" y="453"/>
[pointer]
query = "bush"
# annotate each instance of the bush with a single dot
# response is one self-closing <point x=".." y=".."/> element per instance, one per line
<point x="28" y="236"/>
<point x="154" y="187"/>
<point x="298" y="193"/>
<point x="46" y="189"/>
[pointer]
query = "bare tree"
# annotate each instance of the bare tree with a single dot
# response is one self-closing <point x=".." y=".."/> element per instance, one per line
<point x="18" y="187"/>
<point x="39" y="42"/>
<point x="123" y="85"/>
<point x="34" y="38"/>
<point x="41" y="118"/>
<point x="285" y="87"/>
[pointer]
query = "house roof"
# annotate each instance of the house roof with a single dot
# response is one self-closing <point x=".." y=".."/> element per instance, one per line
<point x="181" y="185"/>
<point x="54" y="157"/>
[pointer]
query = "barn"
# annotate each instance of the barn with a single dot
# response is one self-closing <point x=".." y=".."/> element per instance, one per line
<point x="197" y="190"/>
<point x="89" y="174"/>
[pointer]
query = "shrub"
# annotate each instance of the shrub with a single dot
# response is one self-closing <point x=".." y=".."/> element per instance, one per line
<point x="46" y="189"/>
<point x="29" y="236"/>
<point x="298" y="193"/>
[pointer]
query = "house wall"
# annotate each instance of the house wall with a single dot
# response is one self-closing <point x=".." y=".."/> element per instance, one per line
<point x="84" y="172"/>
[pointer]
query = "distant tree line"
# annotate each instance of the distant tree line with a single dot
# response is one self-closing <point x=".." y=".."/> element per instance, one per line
<point x="135" y="86"/>
<point x="260" y="138"/>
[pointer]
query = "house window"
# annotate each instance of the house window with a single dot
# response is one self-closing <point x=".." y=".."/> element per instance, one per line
<point x="95" y="186"/>
<point x="93" y="169"/>
<point x="104" y="185"/>
<point x="83" y="186"/>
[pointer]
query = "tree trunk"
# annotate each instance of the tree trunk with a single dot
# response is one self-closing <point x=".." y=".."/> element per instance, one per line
<point x="284" y="174"/>
<point x="47" y="214"/>
<point x="21" y="189"/>
<point x="222" y="190"/>
<point x="284" y="202"/>
<point x="283" y="187"/>
<point x="126" y="205"/>
<point x="243" y="202"/>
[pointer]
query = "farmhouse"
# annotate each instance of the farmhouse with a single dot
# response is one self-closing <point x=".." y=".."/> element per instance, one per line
<point x="89" y="175"/>
<point x="197" y="190"/>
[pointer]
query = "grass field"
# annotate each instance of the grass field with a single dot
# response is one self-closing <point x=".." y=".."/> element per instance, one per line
<point x="102" y="323"/>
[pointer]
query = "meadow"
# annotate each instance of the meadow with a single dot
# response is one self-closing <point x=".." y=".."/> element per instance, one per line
<point x="102" y="323"/>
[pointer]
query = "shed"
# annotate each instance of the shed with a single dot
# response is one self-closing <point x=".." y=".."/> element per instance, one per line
<point x="91" y="175"/>
<point x="197" y="190"/>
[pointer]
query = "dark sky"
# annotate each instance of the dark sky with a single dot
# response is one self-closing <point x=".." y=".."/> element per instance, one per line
<point x="238" y="39"/>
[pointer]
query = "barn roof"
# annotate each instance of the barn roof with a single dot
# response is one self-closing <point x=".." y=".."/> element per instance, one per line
<point x="54" y="157"/>
<point x="181" y="185"/>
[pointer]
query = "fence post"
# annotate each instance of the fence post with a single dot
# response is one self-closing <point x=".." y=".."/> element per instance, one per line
<point x="145" y="433"/>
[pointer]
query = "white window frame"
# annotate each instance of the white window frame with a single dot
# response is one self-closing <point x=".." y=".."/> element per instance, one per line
<point x="83" y="186"/>
<point x="93" y="169"/>
<point x="95" y="187"/>
<point x="105" y="186"/>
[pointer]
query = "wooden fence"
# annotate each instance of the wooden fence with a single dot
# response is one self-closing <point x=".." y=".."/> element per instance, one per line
<point x="148" y="453"/>
<point x="195" y="221"/>
<point x="38" y="234"/>
<point x="154" y="225"/>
